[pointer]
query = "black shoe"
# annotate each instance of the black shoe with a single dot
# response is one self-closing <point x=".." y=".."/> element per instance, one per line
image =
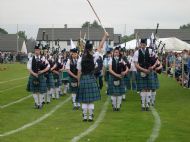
<point x="123" y="100"/>
<point x="114" y="109"/>
<point x="43" y="103"/>
<point x="47" y="102"/>
<point x="90" y="120"/>
<point x="147" y="109"/>
<point x="118" y="109"/>
<point x="84" y="120"/>
<point x="143" y="109"/>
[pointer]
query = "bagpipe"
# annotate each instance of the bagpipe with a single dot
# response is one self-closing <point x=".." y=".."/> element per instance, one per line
<point x="156" y="50"/>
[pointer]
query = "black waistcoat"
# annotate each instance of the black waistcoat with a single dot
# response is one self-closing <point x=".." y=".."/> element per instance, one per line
<point x="118" y="67"/>
<point x="144" y="59"/>
<point x="37" y="65"/>
<point x="73" y="67"/>
<point x="87" y="64"/>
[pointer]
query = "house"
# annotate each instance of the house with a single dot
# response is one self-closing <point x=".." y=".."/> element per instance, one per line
<point x="182" y="34"/>
<point x="8" y="43"/>
<point x="64" y="35"/>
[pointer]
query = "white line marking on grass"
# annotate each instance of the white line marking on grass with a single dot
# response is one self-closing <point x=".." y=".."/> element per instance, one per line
<point x="36" y="121"/>
<point x="95" y="125"/>
<point x="12" y="88"/>
<point x="157" y="125"/>
<point x="18" y="101"/>
<point x="12" y="80"/>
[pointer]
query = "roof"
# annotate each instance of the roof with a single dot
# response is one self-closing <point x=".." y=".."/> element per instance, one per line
<point x="183" y="34"/>
<point x="65" y="34"/>
<point x="8" y="43"/>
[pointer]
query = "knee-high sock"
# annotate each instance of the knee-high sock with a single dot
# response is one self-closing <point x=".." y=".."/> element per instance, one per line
<point x="91" y="111"/>
<point x="123" y="96"/>
<point x="153" y="97"/>
<point x="119" y="100"/>
<point x="84" y="110"/>
<point x="143" y="98"/>
<point x="41" y="96"/>
<point x="57" y="93"/>
<point x="60" y="90"/>
<point x="53" y="93"/>
<point x="148" y="95"/>
<point x="48" y="96"/>
<point x="65" y="88"/>
<point x="36" y="99"/>
<point x="74" y="99"/>
<point x="114" y="101"/>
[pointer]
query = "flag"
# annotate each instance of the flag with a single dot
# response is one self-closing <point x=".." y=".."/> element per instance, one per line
<point x="72" y="44"/>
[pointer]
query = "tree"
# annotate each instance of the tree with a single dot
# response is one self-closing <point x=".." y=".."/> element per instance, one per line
<point x="93" y="25"/>
<point x="22" y="34"/>
<point x="187" y="26"/>
<point x="127" y="38"/>
<point x="3" y="31"/>
<point x="86" y="24"/>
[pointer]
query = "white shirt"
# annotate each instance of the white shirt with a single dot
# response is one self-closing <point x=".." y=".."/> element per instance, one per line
<point x="133" y="68"/>
<point x="67" y="66"/>
<point x="136" y="55"/>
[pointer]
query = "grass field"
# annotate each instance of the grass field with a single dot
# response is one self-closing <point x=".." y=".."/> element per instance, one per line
<point x="59" y="123"/>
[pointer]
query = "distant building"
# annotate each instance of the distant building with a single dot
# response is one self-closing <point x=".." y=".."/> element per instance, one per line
<point x="8" y="43"/>
<point x="64" y="35"/>
<point x="182" y="34"/>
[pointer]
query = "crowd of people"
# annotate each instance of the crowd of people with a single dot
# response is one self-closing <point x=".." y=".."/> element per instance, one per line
<point x="177" y="65"/>
<point x="81" y="74"/>
<point x="12" y="57"/>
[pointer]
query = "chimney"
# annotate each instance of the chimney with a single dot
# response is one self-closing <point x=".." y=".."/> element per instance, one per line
<point x="65" y="26"/>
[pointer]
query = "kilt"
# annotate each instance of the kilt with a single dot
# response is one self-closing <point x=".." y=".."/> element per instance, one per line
<point x="50" y="80"/>
<point x="106" y="75"/>
<point x="57" y="80"/>
<point x="88" y="90"/>
<point x="156" y="84"/>
<point x="71" y="88"/>
<point x="115" y="90"/>
<point x="65" y="76"/>
<point x="127" y="81"/>
<point x="37" y="85"/>
<point x="145" y="83"/>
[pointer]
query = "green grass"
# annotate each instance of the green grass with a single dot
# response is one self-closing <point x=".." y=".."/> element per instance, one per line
<point x="128" y="125"/>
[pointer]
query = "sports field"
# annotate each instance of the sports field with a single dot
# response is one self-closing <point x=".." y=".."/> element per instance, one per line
<point x="169" y="121"/>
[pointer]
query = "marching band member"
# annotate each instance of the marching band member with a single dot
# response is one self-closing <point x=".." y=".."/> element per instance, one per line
<point x="117" y="69"/>
<point x="71" y="67"/>
<point x="88" y="90"/>
<point x="37" y="66"/>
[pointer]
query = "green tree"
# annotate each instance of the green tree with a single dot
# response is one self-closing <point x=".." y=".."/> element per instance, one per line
<point x="3" y="31"/>
<point x="94" y="24"/>
<point x="86" y="24"/>
<point x="127" y="38"/>
<point x="22" y="34"/>
<point x="187" y="26"/>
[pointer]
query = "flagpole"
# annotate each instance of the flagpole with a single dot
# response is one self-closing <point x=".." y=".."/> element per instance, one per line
<point x="17" y="40"/>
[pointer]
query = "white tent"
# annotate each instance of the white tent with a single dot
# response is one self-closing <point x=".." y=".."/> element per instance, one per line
<point x="24" y="49"/>
<point x="171" y="44"/>
<point x="174" y="44"/>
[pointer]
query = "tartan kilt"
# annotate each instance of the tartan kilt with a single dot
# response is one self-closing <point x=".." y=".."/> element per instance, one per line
<point x="155" y="84"/>
<point x="65" y="76"/>
<point x="72" y="89"/>
<point x="115" y="90"/>
<point x="88" y="90"/>
<point x="57" y="80"/>
<point x="50" y="80"/>
<point x="147" y="82"/>
<point x="40" y="87"/>
<point x="127" y="81"/>
<point x="107" y="75"/>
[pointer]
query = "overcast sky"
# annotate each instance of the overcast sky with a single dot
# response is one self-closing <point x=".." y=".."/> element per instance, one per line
<point x="31" y="14"/>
